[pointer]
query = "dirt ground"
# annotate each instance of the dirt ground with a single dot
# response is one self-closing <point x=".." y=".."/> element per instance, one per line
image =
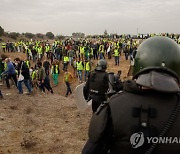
<point x="45" y="123"/>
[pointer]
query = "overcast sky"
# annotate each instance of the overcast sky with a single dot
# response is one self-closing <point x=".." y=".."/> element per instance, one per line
<point x="90" y="16"/>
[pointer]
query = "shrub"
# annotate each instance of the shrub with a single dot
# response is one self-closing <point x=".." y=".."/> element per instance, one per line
<point x="13" y="35"/>
<point x="60" y="37"/>
<point x="50" y="35"/>
<point x="1" y="31"/>
<point x="39" y="35"/>
<point x="29" y="35"/>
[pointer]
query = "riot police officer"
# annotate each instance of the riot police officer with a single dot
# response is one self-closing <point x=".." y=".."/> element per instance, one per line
<point x="97" y="85"/>
<point x="148" y="106"/>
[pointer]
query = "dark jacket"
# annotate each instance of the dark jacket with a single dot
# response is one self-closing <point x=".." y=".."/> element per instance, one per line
<point x="22" y="66"/>
<point x="10" y="69"/>
<point x="96" y="88"/>
<point x="46" y="65"/>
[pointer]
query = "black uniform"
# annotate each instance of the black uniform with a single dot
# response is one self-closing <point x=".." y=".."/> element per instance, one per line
<point x="96" y="87"/>
<point x="137" y="109"/>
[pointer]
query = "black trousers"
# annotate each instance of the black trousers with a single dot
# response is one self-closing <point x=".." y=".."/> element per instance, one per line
<point x="95" y="54"/>
<point x="68" y="88"/>
<point x="41" y="86"/>
<point x="9" y="77"/>
<point x="47" y="84"/>
<point x="96" y="101"/>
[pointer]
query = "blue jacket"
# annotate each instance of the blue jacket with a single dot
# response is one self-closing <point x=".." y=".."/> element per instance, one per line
<point x="10" y="69"/>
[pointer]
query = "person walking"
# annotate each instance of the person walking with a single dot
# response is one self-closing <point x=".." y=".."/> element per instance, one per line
<point x="67" y="79"/>
<point x="41" y="74"/>
<point x="46" y="66"/>
<point x="23" y="70"/>
<point x="11" y="72"/>
<point x="80" y="67"/>
<point x="87" y="69"/>
<point x="47" y="84"/>
<point x="65" y="61"/>
<point x="116" y="55"/>
<point x="55" y="72"/>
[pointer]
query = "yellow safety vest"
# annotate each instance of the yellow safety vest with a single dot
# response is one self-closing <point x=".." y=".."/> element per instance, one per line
<point x="79" y="66"/>
<point x="91" y="51"/>
<point x="5" y="66"/>
<point x="34" y="75"/>
<point x="87" y="67"/>
<point x="116" y="52"/>
<point x="101" y="48"/>
<point x="55" y="70"/>
<point x="28" y="51"/>
<point x="16" y="71"/>
<point x="27" y="63"/>
<point x="47" y="48"/>
<point x="66" y="77"/>
<point x="39" y="50"/>
<point x="81" y="50"/>
<point x="66" y="59"/>
<point x="3" y="45"/>
<point x="117" y="44"/>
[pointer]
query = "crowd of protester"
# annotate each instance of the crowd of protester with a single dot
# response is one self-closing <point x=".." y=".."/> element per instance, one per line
<point x="45" y="59"/>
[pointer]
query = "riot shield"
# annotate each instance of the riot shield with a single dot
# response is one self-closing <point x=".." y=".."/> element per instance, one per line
<point x="81" y="103"/>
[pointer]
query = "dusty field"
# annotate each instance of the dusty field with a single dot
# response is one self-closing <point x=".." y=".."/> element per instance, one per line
<point x="45" y="123"/>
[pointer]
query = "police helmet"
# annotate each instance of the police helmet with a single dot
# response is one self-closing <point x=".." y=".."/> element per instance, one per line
<point x="158" y="53"/>
<point x="101" y="65"/>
